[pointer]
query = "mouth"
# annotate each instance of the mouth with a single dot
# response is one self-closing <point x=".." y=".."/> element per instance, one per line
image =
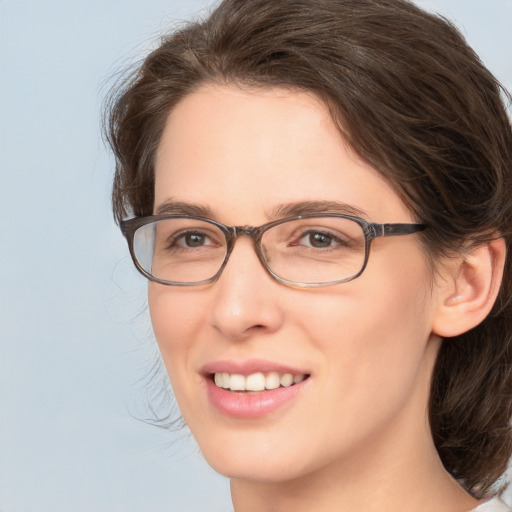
<point x="252" y="389"/>
<point x="256" y="382"/>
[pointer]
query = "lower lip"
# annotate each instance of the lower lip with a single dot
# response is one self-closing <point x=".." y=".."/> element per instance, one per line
<point x="254" y="405"/>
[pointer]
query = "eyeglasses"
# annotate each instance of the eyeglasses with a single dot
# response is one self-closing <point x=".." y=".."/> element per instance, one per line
<point x="303" y="251"/>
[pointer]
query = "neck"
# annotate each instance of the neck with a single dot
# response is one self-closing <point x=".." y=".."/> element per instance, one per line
<point x="381" y="483"/>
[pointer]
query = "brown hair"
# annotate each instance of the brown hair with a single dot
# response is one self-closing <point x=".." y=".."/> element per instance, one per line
<point x="414" y="101"/>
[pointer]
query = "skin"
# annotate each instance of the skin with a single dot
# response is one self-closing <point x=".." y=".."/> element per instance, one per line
<point x="357" y="435"/>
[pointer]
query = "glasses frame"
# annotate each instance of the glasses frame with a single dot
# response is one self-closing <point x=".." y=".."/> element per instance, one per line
<point x="371" y="230"/>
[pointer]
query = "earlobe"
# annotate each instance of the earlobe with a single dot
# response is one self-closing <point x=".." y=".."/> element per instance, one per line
<point x="470" y="288"/>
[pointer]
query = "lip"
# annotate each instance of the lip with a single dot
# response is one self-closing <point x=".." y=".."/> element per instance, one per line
<point x="249" y="366"/>
<point x="250" y="405"/>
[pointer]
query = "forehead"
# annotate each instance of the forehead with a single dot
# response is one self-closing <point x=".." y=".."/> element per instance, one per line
<point x="243" y="151"/>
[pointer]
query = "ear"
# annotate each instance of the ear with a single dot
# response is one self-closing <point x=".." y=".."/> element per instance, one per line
<point x="469" y="289"/>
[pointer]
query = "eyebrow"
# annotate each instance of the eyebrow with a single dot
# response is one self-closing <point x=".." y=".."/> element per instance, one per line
<point x="316" y="208"/>
<point x="170" y="207"/>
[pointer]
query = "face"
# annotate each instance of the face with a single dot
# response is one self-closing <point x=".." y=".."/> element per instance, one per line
<point x="363" y="349"/>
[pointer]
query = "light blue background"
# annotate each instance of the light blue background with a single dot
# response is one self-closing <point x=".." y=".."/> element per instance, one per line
<point x="75" y="336"/>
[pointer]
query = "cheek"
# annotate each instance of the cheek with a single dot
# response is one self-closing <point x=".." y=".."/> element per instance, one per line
<point x="374" y="334"/>
<point x="176" y="323"/>
<point x="178" y="320"/>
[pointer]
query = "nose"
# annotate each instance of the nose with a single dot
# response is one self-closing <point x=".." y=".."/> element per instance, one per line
<point x="246" y="300"/>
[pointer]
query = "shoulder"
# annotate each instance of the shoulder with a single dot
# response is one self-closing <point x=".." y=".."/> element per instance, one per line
<point x="494" y="505"/>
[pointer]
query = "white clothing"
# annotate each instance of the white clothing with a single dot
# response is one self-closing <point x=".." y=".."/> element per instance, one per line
<point x="494" y="505"/>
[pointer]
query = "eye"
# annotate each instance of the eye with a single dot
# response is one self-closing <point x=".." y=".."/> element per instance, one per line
<point x="320" y="240"/>
<point x="194" y="239"/>
<point x="190" y="239"/>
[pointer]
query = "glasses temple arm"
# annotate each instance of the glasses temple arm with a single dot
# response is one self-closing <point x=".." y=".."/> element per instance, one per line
<point x="397" y="229"/>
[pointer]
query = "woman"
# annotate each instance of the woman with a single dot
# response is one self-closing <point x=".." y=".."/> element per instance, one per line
<point x="315" y="373"/>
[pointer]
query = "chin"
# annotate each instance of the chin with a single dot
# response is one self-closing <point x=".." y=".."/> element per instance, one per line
<point x="264" y="456"/>
<point x="243" y="468"/>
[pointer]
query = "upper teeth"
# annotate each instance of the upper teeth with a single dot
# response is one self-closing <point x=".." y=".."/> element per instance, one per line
<point x="256" y="381"/>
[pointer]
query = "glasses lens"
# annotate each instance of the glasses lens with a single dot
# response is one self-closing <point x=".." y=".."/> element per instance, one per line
<point x="315" y="250"/>
<point x="180" y="250"/>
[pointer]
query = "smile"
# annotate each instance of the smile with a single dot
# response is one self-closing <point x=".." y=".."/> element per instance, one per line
<point x="254" y="388"/>
<point x="258" y="381"/>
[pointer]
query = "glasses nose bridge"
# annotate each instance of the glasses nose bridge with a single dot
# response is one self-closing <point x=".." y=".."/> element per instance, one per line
<point x="252" y="232"/>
